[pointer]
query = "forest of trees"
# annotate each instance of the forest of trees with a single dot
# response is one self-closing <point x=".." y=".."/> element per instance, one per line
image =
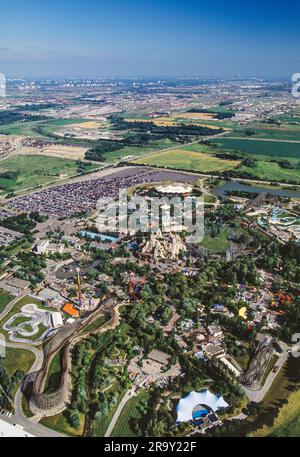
<point x="215" y="114"/>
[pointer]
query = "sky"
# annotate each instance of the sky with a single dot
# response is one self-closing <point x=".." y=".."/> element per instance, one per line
<point x="138" y="38"/>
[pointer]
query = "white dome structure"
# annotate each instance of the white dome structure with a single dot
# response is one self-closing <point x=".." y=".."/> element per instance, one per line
<point x="187" y="404"/>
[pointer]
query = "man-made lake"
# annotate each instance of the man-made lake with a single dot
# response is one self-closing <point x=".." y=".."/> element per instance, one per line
<point x="237" y="186"/>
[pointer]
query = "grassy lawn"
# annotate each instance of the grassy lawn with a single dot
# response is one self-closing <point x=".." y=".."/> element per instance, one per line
<point x="186" y="159"/>
<point x="243" y="360"/>
<point x="97" y="324"/>
<point x="100" y="426"/>
<point x="37" y="335"/>
<point x="285" y="387"/>
<point x="20" y="320"/>
<point x="130" y="411"/>
<point x="54" y="373"/>
<point x="269" y="368"/>
<point x="220" y="243"/>
<point x="271" y="171"/>
<point x="291" y="430"/>
<point x="35" y="171"/>
<point x="25" y="407"/>
<point x="61" y="425"/>
<point x="18" y="359"/>
<point x="5" y="298"/>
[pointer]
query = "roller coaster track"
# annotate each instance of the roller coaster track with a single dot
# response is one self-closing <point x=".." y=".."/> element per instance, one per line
<point x="252" y="377"/>
<point x="48" y="404"/>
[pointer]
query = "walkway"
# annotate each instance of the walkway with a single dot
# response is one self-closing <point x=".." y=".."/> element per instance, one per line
<point x="130" y="394"/>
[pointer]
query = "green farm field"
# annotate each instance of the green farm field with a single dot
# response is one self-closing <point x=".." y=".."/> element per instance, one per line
<point x="201" y="158"/>
<point x="21" y="128"/>
<point x="225" y="124"/>
<point x="29" y="128"/>
<point x="34" y="171"/>
<point x="274" y="149"/>
<point x="136" y="151"/>
<point x="272" y="134"/>
<point x="186" y="159"/>
<point x="5" y="298"/>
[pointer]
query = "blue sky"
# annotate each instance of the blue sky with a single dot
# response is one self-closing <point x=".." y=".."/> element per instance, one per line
<point x="149" y="38"/>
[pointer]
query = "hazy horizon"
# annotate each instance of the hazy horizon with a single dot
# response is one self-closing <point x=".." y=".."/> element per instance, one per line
<point x="166" y="39"/>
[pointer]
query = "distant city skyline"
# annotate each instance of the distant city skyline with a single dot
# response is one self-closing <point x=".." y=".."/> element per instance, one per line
<point x="150" y="38"/>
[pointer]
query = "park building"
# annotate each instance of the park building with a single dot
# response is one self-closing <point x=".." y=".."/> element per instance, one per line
<point x="57" y="319"/>
<point x="45" y="247"/>
<point x="15" y="286"/>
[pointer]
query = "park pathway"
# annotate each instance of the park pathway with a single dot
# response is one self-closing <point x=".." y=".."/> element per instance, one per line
<point x="129" y="394"/>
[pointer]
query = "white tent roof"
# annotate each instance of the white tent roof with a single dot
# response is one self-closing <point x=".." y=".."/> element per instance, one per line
<point x="186" y="404"/>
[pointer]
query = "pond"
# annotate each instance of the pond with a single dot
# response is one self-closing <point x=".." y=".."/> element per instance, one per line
<point x="229" y="186"/>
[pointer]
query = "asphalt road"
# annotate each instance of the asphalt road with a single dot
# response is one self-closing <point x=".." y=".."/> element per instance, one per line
<point x="31" y="425"/>
<point x="10" y="305"/>
<point x="19" y="417"/>
<point x="258" y="395"/>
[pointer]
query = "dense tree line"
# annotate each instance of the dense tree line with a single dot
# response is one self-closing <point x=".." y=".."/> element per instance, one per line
<point x="215" y="114"/>
<point x="8" y="117"/>
<point x="164" y="131"/>
<point x="20" y="223"/>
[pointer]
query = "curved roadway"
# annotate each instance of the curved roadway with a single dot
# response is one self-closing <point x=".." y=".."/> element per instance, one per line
<point x="19" y="417"/>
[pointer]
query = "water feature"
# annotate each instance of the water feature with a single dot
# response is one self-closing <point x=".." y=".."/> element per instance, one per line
<point x="229" y="186"/>
<point x="97" y="236"/>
